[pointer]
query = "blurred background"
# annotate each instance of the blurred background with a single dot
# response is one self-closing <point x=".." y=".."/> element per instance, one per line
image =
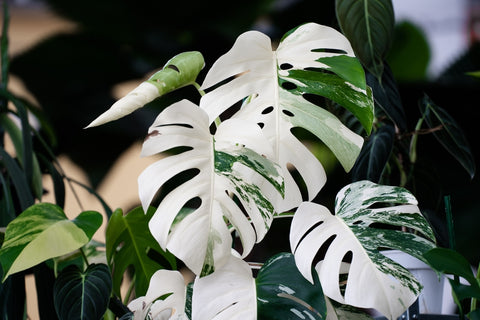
<point x="73" y="59"/>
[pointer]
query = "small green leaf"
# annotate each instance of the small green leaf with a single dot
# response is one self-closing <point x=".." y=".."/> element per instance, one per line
<point x="42" y="232"/>
<point x="369" y="25"/>
<point x="130" y="243"/>
<point x="287" y="297"/>
<point x="450" y="134"/>
<point x="82" y="295"/>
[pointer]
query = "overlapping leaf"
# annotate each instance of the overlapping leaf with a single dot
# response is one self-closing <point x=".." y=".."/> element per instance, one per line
<point x="312" y="60"/>
<point x="352" y="239"/>
<point x="229" y="170"/>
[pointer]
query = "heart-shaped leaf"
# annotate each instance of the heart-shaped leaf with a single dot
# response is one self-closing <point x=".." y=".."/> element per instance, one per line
<point x="130" y="243"/>
<point x="82" y="295"/>
<point x="351" y="240"/>
<point x="43" y="231"/>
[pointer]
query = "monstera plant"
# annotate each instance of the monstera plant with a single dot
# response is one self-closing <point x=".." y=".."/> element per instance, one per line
<point x="239" y="149"/>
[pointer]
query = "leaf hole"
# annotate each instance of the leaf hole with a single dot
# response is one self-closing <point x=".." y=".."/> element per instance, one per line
<point x="289" y="85"/>
<point x="315" y="99"/>
<point x="288" y="113"/>
<point x="261" y="125"/>
<point x="286" y="66"/>
<point x="267" y="110"/>
<point x="330" y="50"/>
<point x="322" y="251"/>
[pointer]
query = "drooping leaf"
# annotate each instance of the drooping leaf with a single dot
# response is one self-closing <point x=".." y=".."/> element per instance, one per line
<point x="352" y="239"/>
<point x="130" y="243"/>
<point x="164" y="300"/>
<point x="369" y="25"/>
<point x="42" y="232"/>
<point x="19" y="179"/>
<point x="231" y="162"/>
<point x="450" y="135"/>
<point x="375" y="154"/>
<point x="283" y="293"/>
<point x="226" y="294"/>
<point x="311" y="63"/>
<point x="180" y="71"/>
<point x="82" y="295"/>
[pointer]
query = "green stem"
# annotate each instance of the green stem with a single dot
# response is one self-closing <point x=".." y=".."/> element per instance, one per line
<point x="84" y="256"/>
<point x="130" y="290"/>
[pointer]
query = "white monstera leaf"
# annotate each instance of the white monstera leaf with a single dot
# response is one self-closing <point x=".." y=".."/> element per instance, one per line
<point x="233" y="168"/>
<point x="152" y="307"/>
<point x="227" y="294"/>
<point x="312" y="60"/>
<point x="351" y="241"/>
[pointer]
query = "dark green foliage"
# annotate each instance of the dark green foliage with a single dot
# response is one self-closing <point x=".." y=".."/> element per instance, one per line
<point x="287" y="297"/>
<point x="81" y="294"/>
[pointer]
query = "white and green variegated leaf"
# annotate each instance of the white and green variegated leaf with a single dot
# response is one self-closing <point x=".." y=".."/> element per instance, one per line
<point x="180" y="71"/>
<point x="232" y="166"/>
<point x="355" y="234"/>
<point x="227" y="294"/>
<point x="313" y="60"/>
<point x="164" y="300"/>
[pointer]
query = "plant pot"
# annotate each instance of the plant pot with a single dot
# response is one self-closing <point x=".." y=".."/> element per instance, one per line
<point x="435" y="297"/>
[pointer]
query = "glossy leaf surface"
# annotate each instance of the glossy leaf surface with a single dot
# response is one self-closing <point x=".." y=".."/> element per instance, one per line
<point x="369" y="25"/>
<point x="283" y="293"/>
<point x="82" y="295"/>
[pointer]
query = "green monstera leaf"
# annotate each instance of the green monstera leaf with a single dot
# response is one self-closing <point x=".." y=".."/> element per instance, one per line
<point x="128" y="243"/>
<point x="352" y="239"/>
<point x="311" y="62"/>
<point x="43" y="231"/>
<point x="231" y="176"/>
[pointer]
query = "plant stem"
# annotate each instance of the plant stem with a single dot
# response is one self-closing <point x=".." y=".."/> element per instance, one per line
<point x="130" y="290"/>
<point x="84" y="256"/>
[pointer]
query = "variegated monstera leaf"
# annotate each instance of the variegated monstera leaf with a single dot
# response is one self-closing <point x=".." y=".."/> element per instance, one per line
<point x="232" y="176"/>
<point x="310" y="60"/>
<point x="353" y="270"/>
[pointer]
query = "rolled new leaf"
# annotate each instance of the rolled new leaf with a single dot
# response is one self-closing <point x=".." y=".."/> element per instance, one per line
<point x="180" y="71"/>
